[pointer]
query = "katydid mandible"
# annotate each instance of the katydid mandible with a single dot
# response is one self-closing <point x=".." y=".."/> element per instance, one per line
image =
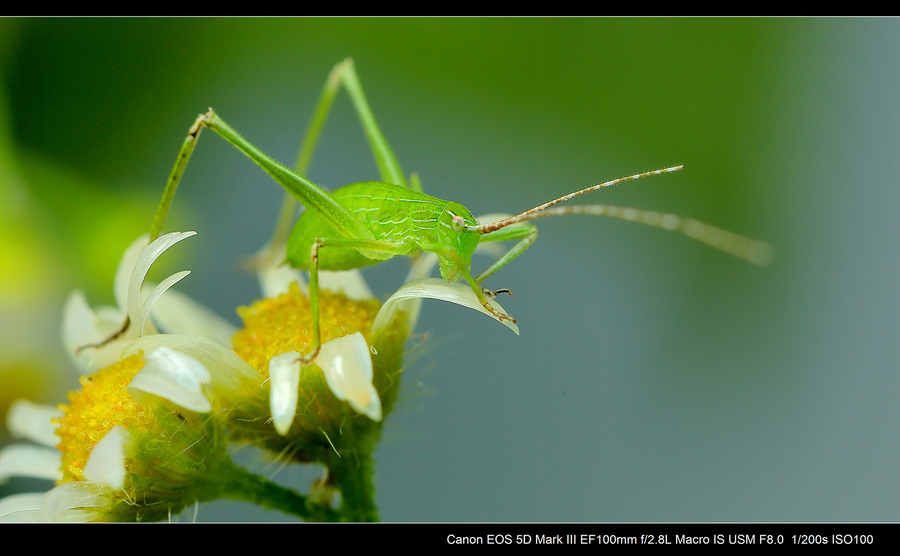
<point x="365" y="223"/>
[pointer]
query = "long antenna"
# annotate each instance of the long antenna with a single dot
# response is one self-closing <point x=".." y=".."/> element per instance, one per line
<point x="529" y="214"/>
<point x="753" y="250"/>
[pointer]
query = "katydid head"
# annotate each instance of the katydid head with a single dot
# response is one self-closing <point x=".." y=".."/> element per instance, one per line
<point x="456" y="232"/>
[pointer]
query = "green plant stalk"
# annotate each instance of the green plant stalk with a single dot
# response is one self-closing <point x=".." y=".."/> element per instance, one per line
<point x="248" y="487"/>
<point x="354" y="476"/>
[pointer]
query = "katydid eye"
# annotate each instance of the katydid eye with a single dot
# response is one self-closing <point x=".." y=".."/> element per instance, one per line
<point x="458" y="224"/>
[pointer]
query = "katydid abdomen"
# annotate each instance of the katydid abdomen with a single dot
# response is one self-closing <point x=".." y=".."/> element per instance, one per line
<point x="410" y="220"/>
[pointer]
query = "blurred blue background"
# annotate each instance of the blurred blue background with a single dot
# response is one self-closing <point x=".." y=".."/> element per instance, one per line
<point x="655" y="379"/>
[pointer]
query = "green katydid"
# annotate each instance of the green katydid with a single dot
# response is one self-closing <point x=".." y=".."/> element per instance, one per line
<point x="365" y="223"/>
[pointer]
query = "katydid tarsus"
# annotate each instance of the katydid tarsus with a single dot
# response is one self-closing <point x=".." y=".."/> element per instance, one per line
<point x="365" y="223"/>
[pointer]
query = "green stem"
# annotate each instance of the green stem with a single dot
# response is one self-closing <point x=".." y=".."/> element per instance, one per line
<point x="248" y="487"/>
<point x="354" y="475"/>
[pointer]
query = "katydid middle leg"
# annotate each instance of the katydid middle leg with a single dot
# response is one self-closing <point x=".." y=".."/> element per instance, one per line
<point x="387" y="249"/>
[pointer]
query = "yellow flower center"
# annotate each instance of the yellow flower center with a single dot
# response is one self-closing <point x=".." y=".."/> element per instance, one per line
<point x="282" y="324"/>
<point x="100" y="404"/>
<point x="271" y="327"/>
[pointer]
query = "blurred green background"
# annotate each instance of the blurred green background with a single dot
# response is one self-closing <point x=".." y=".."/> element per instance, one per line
<point x="655" y="379"/>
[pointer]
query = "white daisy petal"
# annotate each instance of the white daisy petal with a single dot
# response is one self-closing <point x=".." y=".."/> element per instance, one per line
<point x="177" y="313"/>
<point x="175" y="376"/>
<point x="422" y="266"/>
<point x="106" y="464"/>
<point x="274" y="281"/>
<point x="232" y="374"/>
<point x="22" y="508"/>
<point x="33" y="421"/>
<point x="110" y="316"/>
<point x="348" y="282"/>
<point x="156" y="294"/>
<point x="284" y="382"/>
<point x="435" y="288"/>
<point x="142" y="266"/>
<point x="125" y="268"/>
<point x="82" y="326"/>
<point x="27" y="460"/>
<point x="78" y="327"/>
<point x="347" y="364"/>
<point x="75" y="501"/>
<point x="109" y="353"/>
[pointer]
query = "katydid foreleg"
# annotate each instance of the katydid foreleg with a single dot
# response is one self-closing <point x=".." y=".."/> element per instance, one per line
<point x="448" y="252"/>
<point x="525" y="233"/>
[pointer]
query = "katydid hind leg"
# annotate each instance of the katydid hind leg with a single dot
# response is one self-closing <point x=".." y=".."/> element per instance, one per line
<point x="184" y="156"/>
<point x="320" y="114"/>
<point x="309" y="194"/>
<point x="162" y="210"/>
<point x="387" y="163"/>
<point x="342" y="73"/>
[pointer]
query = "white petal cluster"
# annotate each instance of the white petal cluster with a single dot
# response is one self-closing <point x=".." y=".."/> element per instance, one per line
<point x="83" y="327"/>
<point x="190" y="364"/>
<point x="76" y="501"/>
<point x="346" y="362"/>
<point x="106" y="464"/>
<point x="347" y="365"/>
<point x="167" y="373"/>
<point x="175" y="376"/>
